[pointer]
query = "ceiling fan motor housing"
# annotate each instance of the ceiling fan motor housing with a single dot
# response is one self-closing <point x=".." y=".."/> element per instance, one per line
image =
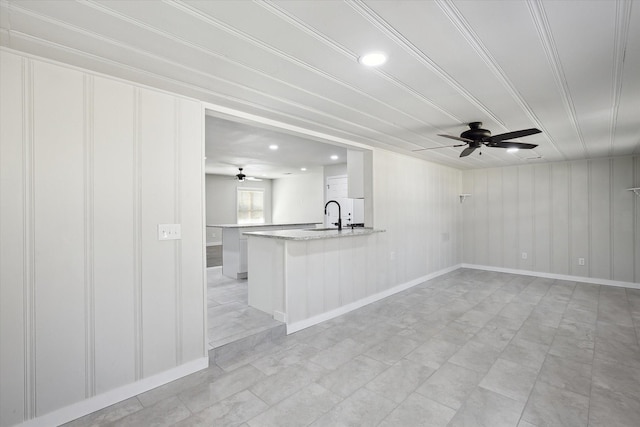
<point x="476" y="133"/>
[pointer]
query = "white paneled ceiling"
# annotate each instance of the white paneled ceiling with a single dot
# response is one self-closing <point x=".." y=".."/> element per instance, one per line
<point x="569" y="68"/>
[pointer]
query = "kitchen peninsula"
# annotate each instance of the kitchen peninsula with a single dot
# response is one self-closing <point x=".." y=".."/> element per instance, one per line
<point x="303" y="277"/>
<point x="234" y="244"/>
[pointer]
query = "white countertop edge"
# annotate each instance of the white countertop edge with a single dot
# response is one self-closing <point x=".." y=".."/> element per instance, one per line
<point x="310" y="234"/>
<point x="261" y="225"/>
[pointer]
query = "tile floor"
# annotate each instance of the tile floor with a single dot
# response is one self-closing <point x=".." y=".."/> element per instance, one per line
<point x="229" y="316"/>
<point x="471" y="348"/>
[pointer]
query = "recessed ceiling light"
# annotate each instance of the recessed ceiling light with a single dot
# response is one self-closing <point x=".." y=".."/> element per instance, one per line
<point x="334" y="157"/>
<point x="373" y="59"/>
<point x="303" y="169"/>
<point x="512" y="150"/>
<point x="273" y="147"/>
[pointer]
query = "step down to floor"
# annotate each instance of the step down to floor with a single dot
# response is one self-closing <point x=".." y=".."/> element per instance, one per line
<point x="226" y="354"/>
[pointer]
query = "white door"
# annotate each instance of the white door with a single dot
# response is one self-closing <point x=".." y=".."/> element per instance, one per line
<point x="337" y="190"/>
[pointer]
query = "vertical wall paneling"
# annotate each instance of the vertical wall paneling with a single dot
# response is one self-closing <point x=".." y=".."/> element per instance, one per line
<point x="600" y="198"/>
<point x="90" y="300"/>
<point x="115" y="246"/>
<point x="15" y="293"/>
<point x="177" y="218"/>
<point x="636" y="219"/>
<point x="157" y="121"/>
<point x="495" y="215"/>
<point x="481" y="216"/>
<point x="622" y="201"/>
<point x="193" y="282"/>
<point x="559" y="247"/>
<point x="58" y="110"/>
<point x="541" y="217"/>
<point x="29" y="241"/>
<point x="511" y="249"/>
<point x="137" y="236"/>
<point x="89" y="277"/>
<point x="526" y="235"/>
<point x="314" y="268"/>
<point x="407" y="198"/>
<point x="561" y="212"/>
<point x="579" y="224"/>
<point x="468" y="219"/>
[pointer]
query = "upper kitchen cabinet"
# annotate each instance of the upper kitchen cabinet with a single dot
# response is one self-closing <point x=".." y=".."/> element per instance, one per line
<point x="359" y="173"/>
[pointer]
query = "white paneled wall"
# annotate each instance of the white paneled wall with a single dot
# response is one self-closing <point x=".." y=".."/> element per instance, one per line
<point x="418" y="204"/>
<point x="556" y="213"/>
<point x="90" y="299"/>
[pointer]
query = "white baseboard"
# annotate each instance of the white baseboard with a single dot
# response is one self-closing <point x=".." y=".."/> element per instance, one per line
<point x="302" y="324"/>
<point x="111" y="397"/>
<point x="214" y="244"/>
<point x="582" y="279"/>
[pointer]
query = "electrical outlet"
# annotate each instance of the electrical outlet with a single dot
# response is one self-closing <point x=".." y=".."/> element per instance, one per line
<point x="580" y="261"/>
<point x="169" y="232"/>
<point x="524" y="255"/>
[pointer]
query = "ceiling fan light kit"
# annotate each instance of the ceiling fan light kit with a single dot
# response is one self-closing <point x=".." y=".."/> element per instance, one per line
<point x="475" y="137"/>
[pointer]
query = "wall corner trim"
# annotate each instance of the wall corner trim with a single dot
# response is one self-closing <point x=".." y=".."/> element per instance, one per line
<point x="593" y="280"/>
<point x="119" y="394"/>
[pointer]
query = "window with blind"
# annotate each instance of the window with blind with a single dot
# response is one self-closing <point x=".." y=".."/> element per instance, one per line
<point x="250" y="206"/>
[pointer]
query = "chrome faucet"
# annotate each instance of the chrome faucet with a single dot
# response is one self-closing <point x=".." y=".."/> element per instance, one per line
<point x="339" y="223"/>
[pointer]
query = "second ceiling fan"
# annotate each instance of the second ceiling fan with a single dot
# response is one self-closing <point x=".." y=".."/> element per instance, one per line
<point x="476" y="137"/>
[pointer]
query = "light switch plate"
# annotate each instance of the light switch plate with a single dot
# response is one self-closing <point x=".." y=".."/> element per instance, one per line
<point x="169" y="232"/>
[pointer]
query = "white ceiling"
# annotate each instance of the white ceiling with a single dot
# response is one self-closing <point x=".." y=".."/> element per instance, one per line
<point x="569" y="68"/>
<point x="231" y="145"/>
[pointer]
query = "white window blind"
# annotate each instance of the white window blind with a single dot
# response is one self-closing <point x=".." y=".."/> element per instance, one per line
<point x="250" y="206"/>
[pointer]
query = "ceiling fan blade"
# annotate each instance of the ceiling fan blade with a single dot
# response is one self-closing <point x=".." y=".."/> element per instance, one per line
<point x="514" y="134"/>
<point x="457" y="138"/>
<point x="519" y="145"/>
<point x="444" y="146"/>
<point x="467" y="151"/>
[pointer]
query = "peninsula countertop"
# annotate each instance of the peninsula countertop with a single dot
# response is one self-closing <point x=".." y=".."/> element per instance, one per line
<point x="262" y="225"/>
<point x="314" y="233"/>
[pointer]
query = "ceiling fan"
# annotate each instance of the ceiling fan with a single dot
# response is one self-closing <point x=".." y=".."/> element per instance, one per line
<point x="475" y="137"/>
<point x="241" y="177"/>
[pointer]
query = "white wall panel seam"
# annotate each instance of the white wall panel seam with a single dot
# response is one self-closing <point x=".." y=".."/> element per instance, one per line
<point x="178" y="243"/>
<point x="137" y="240"/>
<point x="203" y="249"/>
<point x="29" y="239"/>
<point x="89" y="278"/>
<point x="532" y="226"/>
<point x="570" y="215"/>
<point x="517" y="206"/>
<point x="589" y="217"/>
<point x="551" y="221"/>
<point x="611" y="221"/>
<point x="635" y="173"/>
